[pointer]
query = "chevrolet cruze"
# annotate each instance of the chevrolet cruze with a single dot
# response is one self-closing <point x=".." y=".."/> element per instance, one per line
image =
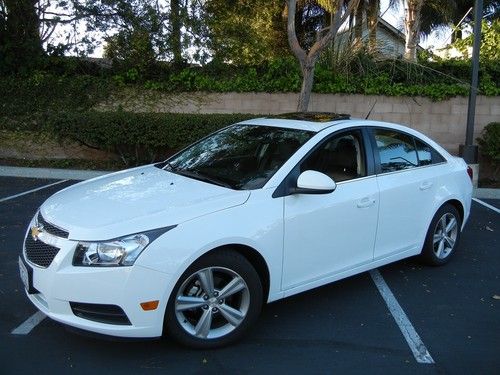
<point x="261" y="210"/>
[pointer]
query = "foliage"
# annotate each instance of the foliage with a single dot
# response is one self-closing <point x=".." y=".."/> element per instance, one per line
<point x="72" y="84"/>
<point x="43" y="92"/>
<point x="246" y="31"/>
<point x="490" y="40"/>
<point x="361" y="76"/>
<point x="489" y="142"/>
<point x="131" y="50"/>
<point x="131" y="27"/>
<point x="20" y="41"/>
<point x="136" y="137"/>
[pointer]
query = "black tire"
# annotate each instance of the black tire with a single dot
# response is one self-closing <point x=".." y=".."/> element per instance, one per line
<point x="217" y="262"/>
<point x="430" y="252"/>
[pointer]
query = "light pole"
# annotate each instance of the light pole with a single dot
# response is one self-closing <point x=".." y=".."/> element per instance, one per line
<point x="469" y="151"/>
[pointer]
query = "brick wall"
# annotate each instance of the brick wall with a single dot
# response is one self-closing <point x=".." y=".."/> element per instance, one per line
<point x="444" y="121"/>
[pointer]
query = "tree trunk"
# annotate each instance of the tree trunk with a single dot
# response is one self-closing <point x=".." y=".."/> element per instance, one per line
<point x="412" y="28"/>
<point x="23" y="43"/>
<point x="175" y="38"/>
<point x="307" y="84"/>
<point x="358" y="24"/>
<point x="372" y="23"/>
<point x="308" y="59"/>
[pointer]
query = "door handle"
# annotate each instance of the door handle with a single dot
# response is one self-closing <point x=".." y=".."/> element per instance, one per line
<point x="365" y="202"/>
<point x="425" y="185"/>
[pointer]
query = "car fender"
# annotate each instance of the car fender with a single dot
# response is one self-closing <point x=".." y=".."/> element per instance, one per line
<point x="259" y="226"/>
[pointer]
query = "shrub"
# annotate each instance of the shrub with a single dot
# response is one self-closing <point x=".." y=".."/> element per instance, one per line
<point x="137" y="138"/>
<point x="489" y="143"/>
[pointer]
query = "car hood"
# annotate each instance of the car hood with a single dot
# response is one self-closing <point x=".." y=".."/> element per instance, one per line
<point x="133" y="201"/>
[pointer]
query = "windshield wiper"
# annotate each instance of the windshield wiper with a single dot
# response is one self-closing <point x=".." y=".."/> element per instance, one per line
<point x="201" y="177"/>
<point x="166" y="165"/>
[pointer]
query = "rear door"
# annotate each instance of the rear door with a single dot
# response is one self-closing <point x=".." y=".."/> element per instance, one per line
<point x="407" y="180"/>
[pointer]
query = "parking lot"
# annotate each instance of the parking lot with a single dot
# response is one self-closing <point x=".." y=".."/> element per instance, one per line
<point x="345" y="327"/>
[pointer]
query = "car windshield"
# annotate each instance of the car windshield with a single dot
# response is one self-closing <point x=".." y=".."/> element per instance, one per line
<point x="242" y="157"/>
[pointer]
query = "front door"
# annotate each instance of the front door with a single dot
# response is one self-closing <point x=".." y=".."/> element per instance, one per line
<point x="329" y="233"/>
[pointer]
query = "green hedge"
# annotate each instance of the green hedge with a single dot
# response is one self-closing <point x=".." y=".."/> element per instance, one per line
<point x="489" y="142"/>
<point x="43" y="92"/>
<point x="137" y="138"/>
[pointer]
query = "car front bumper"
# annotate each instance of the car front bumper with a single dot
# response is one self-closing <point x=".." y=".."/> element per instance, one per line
<point x="126" y="287"/>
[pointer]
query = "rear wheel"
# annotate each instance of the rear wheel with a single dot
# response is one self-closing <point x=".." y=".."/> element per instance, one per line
<point x="443" y="236"/>
<point x="215" y="301"/>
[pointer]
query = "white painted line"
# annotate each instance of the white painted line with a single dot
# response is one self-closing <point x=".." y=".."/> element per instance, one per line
<point x="29" y="324"/>
<point x="487" y="205"/>
<point x="414" y="341"/>
<point x="31" y="191"/>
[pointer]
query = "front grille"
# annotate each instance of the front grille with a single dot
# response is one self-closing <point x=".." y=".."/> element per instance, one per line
<point x="110" y="314"/>
<point x="50" y="228"/>
<point x="39" y="253"/>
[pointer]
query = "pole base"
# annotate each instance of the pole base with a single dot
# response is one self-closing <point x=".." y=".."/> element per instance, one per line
<point x="469" y="153"/>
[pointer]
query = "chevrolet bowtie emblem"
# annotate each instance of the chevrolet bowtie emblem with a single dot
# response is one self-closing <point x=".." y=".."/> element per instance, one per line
<point x="35" y="232"/>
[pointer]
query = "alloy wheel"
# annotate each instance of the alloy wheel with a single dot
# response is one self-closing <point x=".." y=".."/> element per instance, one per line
<point x="445" y="235"/>
<point x="212" y="302"/>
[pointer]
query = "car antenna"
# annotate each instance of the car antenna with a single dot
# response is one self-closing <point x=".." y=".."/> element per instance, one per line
<point x="371" y="109"/>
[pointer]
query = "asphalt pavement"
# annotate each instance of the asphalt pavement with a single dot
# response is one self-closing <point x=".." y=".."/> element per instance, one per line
<point x="344" y="327"/>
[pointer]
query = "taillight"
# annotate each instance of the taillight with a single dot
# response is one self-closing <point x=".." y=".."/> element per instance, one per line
<point x="470" y="172"/>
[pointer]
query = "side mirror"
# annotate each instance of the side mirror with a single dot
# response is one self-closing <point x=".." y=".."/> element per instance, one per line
<point x="314" y="182"/>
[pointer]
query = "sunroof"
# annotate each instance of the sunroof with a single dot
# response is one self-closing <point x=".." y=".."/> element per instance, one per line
<point x="314" y="116"/>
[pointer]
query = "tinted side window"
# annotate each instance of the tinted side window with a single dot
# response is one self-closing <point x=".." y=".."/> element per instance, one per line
<point x="396" y="150"/>
<point x="341" y="157"/>
<point x="424" y="153"/>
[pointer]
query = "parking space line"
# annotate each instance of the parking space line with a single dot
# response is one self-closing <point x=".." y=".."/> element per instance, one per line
<point x="487" y="205"/>
<point x="414" y="341"/>
<point x="31" y="191"/>
<point x="29" y="324"/>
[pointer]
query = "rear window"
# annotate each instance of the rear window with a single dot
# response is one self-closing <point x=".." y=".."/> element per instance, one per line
<point x="399" y="151"/>
<point x="396" y="150"/>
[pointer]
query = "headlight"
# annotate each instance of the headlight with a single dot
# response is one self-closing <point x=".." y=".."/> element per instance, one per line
<point x="118" y="252"/>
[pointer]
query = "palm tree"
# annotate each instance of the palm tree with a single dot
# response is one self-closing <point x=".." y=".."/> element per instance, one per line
<point x="422" y="17"/>
<point x="413" y="10"/>
<point x="372" y="14"/>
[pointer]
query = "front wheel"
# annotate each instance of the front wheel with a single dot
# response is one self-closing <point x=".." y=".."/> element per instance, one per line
<point x="215" y="301"/>
<point x="442" y="237"/>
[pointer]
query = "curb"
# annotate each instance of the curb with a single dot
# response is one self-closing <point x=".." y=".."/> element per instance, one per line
<point x="75" y="174"/>
<point x="50" y="173"/>
<point x="482" y="193"/>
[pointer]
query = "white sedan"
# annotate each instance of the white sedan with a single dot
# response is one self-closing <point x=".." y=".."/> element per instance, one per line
<point x="261" y="210"/>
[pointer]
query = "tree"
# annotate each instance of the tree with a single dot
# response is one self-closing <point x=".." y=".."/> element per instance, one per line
<point x="135" y="30"/>
<point x="21" y="45"/>
<point x="372" y="14"/>
<point x="412" y="28"/>
<point x="442" y="13"/>
<point x="490" y="40"/>
<point x="308" y="58"/>
<point x="369" y="9"/>
<point x="245" y="31"/>
<point x="176" y="33"/>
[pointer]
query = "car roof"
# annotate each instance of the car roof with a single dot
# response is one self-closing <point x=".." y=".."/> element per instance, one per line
<point x="314" y="126"/>
<point x="318" y="126"/>
<point x="311" y="121"/>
